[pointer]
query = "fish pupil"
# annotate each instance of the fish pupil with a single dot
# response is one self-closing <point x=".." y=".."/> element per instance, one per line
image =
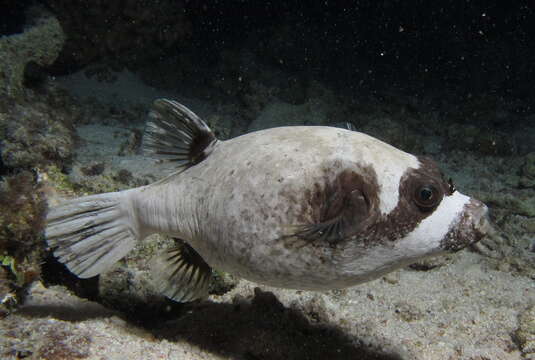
<point x="426" y="194"/>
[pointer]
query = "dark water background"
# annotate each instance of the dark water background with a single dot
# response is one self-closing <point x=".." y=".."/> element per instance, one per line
<point x="462" y="47"/>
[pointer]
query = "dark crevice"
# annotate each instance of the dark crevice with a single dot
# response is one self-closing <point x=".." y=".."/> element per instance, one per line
<point x="12" y="16"/>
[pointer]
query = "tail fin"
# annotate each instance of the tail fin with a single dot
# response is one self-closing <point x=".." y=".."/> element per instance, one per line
<point x="92" y="233"/>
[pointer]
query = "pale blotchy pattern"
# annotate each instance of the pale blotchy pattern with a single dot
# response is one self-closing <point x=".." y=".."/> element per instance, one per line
<point x="236" y="205"/>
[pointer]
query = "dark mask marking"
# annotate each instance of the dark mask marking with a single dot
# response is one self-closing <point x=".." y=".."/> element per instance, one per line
<point x="409" y="212"/>
<point x="346" y="207"/>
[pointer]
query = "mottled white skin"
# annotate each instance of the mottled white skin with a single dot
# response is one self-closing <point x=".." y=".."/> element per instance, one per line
<point x="235" y="206"/>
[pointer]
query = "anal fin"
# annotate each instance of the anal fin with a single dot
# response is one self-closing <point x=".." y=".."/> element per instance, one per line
<point x="181" y="274"/>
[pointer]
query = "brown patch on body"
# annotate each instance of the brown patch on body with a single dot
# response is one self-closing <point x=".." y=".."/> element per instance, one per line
<point x="338" y="208"/>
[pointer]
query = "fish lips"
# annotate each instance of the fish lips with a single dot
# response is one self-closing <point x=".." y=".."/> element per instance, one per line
<point x="473" y="224"/>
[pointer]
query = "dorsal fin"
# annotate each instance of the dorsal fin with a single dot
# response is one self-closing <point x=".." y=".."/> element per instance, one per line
<point x="173" y="133"/>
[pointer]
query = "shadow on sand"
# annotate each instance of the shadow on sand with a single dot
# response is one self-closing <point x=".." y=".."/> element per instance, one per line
<point x="248" y="329"/>
<point x="262" y="329"/>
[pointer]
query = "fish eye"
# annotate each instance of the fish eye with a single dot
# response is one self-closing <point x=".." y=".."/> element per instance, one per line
<point x="427" y="197"/>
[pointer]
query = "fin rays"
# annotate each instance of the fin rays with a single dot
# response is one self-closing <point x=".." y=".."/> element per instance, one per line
<point x="91" y="233"/>
<point x="181" y="274"/>
<point x="175" y="134"/>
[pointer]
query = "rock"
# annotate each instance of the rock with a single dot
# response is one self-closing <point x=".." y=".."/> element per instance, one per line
<point x="407" y="312"/>
<point x="526" y="183"/>
<point x="8" y="297"/>
<point x="432" y="263"/>
<point x="35" y="135"/>
<point x="93" y="168"/>
<point x="40" y="44"/>
<point x="475" y="139"/>
<point x="118" y="30"/>
<point x="22" y="208"/>
<point x="527" y="172"/>
<point x="525" y="334"/>
<point x="132" y="145"/>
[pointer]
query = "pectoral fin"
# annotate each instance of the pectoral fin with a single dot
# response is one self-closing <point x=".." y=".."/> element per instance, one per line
<point x="344" y="207"/>
<point x="342" y="218"/>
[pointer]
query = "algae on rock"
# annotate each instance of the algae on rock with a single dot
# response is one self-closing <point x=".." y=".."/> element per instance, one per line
<point x="22" y="208"/>
<point x="33" y="135"/>
<point x="40" y="44"/>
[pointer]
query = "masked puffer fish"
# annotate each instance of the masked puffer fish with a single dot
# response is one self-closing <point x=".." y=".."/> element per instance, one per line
<point x="302" y="207"/>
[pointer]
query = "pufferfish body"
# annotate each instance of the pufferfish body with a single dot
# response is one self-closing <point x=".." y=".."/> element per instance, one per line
<point x="302" y="207"/>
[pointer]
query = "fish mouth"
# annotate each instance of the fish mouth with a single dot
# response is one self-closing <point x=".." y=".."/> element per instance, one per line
<point x="474" y="225"/>
<point x="482" y="226"/>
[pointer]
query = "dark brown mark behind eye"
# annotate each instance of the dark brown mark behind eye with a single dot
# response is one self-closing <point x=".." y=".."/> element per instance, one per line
<point x="341" y="208"/>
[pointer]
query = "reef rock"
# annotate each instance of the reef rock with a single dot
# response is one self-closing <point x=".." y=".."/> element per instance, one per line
<point x="116" y="30"/>
<point x="39" y="44"/>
